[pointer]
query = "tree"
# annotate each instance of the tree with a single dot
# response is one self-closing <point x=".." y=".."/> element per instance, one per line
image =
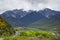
<point x="5" y="28"/>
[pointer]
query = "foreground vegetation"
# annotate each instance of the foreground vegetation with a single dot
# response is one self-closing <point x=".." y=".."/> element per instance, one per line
<point x="5" y="28"/>
<point x="32" y="35"/>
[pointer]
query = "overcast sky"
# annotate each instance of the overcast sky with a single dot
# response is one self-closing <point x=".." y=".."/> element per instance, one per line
<point x="29" y="4"/>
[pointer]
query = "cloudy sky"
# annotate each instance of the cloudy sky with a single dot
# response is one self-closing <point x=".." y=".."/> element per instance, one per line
<point x="29" y="4"/>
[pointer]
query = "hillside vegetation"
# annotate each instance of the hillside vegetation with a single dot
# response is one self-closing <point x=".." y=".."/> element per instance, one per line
<point x="5" y="28"/>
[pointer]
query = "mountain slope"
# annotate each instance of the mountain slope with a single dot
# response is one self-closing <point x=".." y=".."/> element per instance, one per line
<point x="30" y="18"/>
<point x="41" y="18"/>
<point x="47" y="24"/>
<point x="13" y="16"/>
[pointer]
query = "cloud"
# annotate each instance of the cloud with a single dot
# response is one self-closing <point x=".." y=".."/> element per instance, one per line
<point x="29" y="4"/>
<point x="36" y="1"/>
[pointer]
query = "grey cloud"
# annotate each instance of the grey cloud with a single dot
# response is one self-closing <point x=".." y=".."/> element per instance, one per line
<point x="35" y="2"/>
<point x="29" y="4"/>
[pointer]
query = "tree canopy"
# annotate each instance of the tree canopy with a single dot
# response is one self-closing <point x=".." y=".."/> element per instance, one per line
<point x="5" y="28"/>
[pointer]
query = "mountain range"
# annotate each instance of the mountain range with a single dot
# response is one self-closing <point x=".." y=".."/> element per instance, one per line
<point x="45" y="18"/>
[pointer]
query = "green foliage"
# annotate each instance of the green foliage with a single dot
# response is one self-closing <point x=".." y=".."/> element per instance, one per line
<point x="16" y="29"/>
<point x="31" y="34"/>
<point x="5" y="28"/>
<point x="17" y="38"/>
<point x="36" y="33"/>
